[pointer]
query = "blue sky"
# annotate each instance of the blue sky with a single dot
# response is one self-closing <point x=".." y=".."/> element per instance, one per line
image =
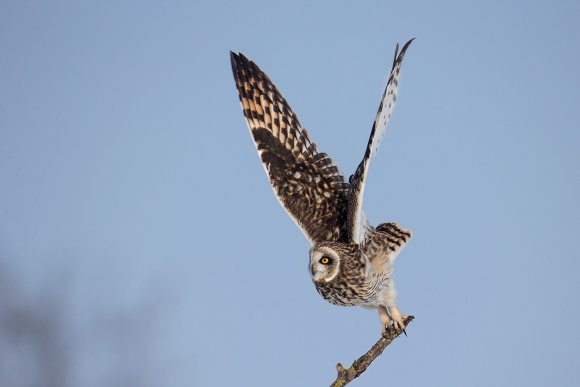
<point x="130" y="187"/>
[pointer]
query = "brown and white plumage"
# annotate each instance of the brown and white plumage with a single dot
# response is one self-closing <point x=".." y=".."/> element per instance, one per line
<point x="358" y="224"/>
<point x="350" y="261"/>
<point x="302" y="177"/>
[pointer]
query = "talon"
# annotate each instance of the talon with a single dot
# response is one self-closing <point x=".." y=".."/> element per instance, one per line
<point x="386" y="330"/>
<point x="397" y="319"/>
<point x="393" y="320"/>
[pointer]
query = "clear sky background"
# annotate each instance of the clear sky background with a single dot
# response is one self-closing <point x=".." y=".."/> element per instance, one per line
<point x="134" y="211"/>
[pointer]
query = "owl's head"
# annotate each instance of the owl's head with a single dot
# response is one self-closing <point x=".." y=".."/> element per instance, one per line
<point x="324" y="263"/>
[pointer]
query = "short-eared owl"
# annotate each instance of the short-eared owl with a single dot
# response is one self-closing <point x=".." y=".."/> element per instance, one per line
<point x="350" y="260"/>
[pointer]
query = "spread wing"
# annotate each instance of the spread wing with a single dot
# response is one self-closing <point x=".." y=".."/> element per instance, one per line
<point x="357" y="222"/>
<point x="305" y="181"/>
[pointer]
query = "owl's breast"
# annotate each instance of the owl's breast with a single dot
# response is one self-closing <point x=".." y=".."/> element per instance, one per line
<point x="338" y="293"/>
<point x="362" y="290"/>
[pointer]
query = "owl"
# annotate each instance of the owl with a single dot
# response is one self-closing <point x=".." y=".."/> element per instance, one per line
<point x="350" y="260"/>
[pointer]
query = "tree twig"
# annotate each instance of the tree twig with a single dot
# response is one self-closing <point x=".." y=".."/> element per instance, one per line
<point x="345" y="376"/>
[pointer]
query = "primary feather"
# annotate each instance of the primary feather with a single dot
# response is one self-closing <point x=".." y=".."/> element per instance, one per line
<point x="305" y="181"/>
<point x="357" y="223"/>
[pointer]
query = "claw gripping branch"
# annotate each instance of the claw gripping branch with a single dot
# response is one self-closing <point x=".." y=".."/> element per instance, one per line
<point x="345" y="376"/>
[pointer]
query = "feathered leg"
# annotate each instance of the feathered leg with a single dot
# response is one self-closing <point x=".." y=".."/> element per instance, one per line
<point x="390" y="311"/>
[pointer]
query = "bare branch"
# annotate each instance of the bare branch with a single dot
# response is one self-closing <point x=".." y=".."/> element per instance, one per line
<point x="345" y="376"/>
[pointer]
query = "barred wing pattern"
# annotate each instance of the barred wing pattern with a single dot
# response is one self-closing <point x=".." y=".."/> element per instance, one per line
<point x="390" y="238"/>
<point x="357" y="222"/>
<point x="305" y="181"/>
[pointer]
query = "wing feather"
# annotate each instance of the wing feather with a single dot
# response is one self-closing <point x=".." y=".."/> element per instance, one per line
<point x="305" y="181"/>
<point x="357" y="222"/>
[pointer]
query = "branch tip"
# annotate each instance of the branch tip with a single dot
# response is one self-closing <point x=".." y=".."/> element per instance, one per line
<point x="359" y="366"/>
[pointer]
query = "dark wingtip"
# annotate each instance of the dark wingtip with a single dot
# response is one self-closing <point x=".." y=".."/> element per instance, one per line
<point x="406" y="46"/>
<point x="396" y="54"/>
<point x="243" y="58"/>
<point x="234" y="62"/>
<point x="239" y="63"/>
<point x="399" y="55"/>
<point x="242" y="62"/>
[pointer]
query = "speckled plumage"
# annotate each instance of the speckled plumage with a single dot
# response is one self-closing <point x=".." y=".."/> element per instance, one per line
<point x="350" y="261"/>
<point x="357" y="284"/>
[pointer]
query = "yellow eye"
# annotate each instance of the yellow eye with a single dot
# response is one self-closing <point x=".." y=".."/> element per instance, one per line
<point x="325" y="260"/>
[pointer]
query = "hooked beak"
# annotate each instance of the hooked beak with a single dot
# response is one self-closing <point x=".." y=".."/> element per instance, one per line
<point x="316" y="274"/>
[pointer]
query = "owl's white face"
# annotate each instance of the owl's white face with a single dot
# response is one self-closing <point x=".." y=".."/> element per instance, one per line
<point x="324" y="264"/>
